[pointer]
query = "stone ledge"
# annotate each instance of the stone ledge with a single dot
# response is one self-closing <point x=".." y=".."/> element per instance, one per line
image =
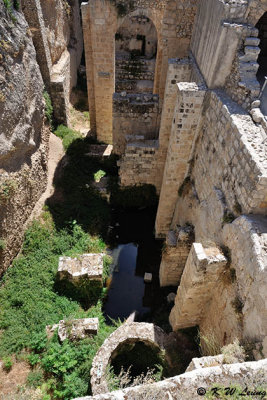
<point x="185" y="386"/>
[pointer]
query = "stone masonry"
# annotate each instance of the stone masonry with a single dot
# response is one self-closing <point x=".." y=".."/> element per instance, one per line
<point x="177" y="246"/>
<point x="202" y="271"/>
<point x="128" y="332"/>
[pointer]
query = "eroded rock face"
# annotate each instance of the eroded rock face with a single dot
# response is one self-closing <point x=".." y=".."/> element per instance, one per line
<point x="21" y="87"/>
<point x="23" y="136"/>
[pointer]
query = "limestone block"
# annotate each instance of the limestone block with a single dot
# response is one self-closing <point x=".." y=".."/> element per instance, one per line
<point x="205" y="362"/>
<point x="148" y="277"/>
<point x="199" y="282"/>
<point x="89" y="266"/>
<point x="77" y="328"/>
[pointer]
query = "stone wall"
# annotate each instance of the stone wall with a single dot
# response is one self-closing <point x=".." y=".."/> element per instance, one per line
<point x="174" y="255"/>
<point x="228" y="171"/>
<point x="250" y="374"/>
<point x="139" y="164"/>
<point x="134" y="115"/>
<point x="24" y="139"/>
<point x="57" y="37"/>
<point x="246" y="238"/>
<point x="101" y="20"/>
<point x="200" y="278"/>
<point x="216" y="36"/>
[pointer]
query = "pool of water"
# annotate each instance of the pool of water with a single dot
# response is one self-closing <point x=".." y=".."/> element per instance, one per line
<point x="126" y="289"/>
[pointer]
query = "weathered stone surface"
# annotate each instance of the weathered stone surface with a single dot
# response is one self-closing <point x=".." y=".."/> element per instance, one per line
<point x="185" y="386"/>
<point x="23" y="136"/>
<point x="148" y="277"/>
<point x="174" y="256"/>
<point x="77" y="329"/>
<point x="205" y="362"/>
<point x="85" y="266"/>
<point x="202" y="271"/>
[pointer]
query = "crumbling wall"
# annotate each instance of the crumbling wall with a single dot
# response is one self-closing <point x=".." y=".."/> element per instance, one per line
<point x="23" y="139"/>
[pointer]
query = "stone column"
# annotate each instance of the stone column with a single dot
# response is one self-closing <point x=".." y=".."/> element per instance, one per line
<point x="186" y="121"/>
<point x="201" y="274"/>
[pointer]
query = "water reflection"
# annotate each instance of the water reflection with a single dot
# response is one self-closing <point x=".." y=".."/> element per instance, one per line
<point x="126" y="290"/>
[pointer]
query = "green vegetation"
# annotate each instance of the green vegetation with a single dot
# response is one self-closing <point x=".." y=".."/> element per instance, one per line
<point x="29" y="302"/>
<point x="209" y="344"/>
<point x="98" y="175"/>
<point x="228" y="217"/>
<point x="2" y="244"/>
<point x="75" y="221"/>
<point x="7" y="189"/>
<point x="67" y="135"/>
<point x="7" y="363"/>
<point x="48" y="108"/>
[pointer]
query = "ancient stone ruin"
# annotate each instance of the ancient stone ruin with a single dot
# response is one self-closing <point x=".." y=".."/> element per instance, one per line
<point x="176" y="94"/>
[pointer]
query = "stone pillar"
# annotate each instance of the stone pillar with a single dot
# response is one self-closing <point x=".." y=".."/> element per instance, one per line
<point x="178" y="244"/>
<point x="99" y="27"/>
<point x="201" y="274"/>
<point x="186" y="121"/>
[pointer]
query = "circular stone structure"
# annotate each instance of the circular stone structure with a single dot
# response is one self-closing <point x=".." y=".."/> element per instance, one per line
<point x="127" y="333"/>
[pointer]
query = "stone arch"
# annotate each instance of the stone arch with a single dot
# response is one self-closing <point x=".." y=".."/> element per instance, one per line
<point x="154" y="22"/>
<point x="129" y="332"/>
<point x="100" y="23"/>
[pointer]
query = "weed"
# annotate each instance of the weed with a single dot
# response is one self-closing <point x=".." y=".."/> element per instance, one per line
<point x="7" y="189"/>
<point x="2" y="244"/>
<point x="35" y="378"/>
<point x="99" y="175"/>
<point x="67" y="135"/>
<point x="228" y="217"/>
<point x="48" y="108"/>
<point x="7" y="363"/>
<point x="209" y="344"/>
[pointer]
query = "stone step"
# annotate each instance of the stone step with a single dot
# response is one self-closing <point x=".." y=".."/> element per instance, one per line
<point x="253" y="50"/>
<point x="249" y="66"/>
<point x="252" y="41"/>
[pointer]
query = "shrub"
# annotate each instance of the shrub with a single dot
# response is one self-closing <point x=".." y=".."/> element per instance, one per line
<point x="7" y="363"/>
<point x="35" y="378"/>
<point x="48" y="108"/>
<point x="67" y="135"/>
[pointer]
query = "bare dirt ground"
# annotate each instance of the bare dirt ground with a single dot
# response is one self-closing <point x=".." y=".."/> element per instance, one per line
<point x="56" y="152"/>
<point x="9" y="381"/>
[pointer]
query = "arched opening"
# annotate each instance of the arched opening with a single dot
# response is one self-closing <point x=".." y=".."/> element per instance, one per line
<point x="135" y="55"/>
<point x="262" y="59"/>
<point x="137" y="362"/>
